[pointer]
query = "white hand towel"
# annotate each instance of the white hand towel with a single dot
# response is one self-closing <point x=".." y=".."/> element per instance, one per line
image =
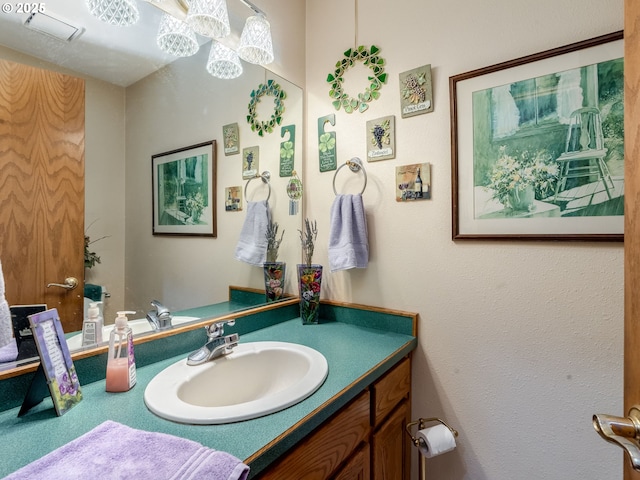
<point x="252" y="245"/>
<point x="6" y="327"/>
<point x="348" y="237"/>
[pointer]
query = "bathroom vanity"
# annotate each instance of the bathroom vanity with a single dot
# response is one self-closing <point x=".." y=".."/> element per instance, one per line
<point x="351" y="427"/>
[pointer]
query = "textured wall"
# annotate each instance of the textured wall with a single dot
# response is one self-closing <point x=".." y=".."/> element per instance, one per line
<point x="520" y="342"/>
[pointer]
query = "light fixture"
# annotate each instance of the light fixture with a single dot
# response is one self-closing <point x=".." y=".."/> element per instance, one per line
<point x="115" y="12"/>
<point x="176" y="37"/>
<point x="182" y="19"/>
<point x="209" y="18"/>
<point x="255" y="41"/>
<point x="223" y="62"/>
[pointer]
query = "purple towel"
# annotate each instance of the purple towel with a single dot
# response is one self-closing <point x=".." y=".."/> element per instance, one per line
<point x="115" y="451"/>
<point x="348" y="237"/>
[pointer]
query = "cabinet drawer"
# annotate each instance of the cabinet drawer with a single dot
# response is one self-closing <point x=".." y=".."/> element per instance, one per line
<point x="319" y="455"/>
<point x="391" y="389"/>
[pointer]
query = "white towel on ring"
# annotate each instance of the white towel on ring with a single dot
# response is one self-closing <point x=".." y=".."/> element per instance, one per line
<point x="348" y="236"/>
<point x="252" y="244"/>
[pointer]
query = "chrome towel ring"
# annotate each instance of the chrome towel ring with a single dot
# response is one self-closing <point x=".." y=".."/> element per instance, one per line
<point x="265" y="177"/>
<point x="355" y="165"/>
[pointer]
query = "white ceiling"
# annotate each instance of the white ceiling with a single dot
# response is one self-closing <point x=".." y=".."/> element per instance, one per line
<point x="118" y="55"/>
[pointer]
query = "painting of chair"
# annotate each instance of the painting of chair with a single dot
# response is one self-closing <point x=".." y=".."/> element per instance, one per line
<point x="584" y="151"/>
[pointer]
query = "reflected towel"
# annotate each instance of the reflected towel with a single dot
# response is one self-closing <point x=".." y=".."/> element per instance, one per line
<point x="9" y="353"/>
<point x="252" y="245"/>
<point x="112" y="450"/>
<point x="348" y="237"/>
<point x="93" y="292"/>
<point x="6" y="326"/>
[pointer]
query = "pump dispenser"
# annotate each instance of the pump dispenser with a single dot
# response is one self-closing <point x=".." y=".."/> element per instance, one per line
<point x="92" y="326"/>
<point x="121" y="364"/>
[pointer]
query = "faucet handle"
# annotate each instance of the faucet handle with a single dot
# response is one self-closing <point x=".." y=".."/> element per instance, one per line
<point x="216" y="329"/>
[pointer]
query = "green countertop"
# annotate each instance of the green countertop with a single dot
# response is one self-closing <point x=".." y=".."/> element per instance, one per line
<point x="357" y="356"/>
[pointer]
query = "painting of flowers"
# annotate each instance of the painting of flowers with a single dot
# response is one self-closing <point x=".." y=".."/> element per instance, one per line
<point x="539" y="150"/>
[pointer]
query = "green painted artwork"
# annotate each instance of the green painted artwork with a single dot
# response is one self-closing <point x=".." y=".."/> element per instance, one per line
<point x="287" y="150"/>
<point x="551" y="146"/>
<point x="327" y="144"/>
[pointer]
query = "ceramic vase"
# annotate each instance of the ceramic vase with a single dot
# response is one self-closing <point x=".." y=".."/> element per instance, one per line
<point x="274" y="274"/>
<point x="309" y="282"/>
<point x="521" y="198"/>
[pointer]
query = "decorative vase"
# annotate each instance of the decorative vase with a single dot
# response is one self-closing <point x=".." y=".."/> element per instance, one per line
<point x="521" y="198"/>
<point x="309" y="281"/>
<point x="274" y="273"/>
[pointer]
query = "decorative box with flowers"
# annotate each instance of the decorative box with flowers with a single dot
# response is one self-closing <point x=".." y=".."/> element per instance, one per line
<point x="309" y="276"/>
<point x="274" y="271"/>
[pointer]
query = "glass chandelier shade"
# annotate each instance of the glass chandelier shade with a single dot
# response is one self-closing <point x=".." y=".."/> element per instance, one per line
<point x="255" y="42"/>
<point x="209" y="18"/>
<point x="114" y="12"/>
<point x="223" y="62"/>
<point x="176" y="37"/>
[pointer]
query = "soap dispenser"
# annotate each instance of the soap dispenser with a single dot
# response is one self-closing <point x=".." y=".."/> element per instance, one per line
<point x="92" y="326"/>
<point x="121" y="364"/>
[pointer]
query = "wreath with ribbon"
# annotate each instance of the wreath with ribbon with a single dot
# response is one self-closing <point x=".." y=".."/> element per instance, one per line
<point x="270" y="88"/>
<point x="370" y="58"/>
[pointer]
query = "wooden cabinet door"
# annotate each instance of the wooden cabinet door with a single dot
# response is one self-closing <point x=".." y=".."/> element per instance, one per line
<point x="319" y="456"/>
<point x="391" y="447"/>
<point x="42" y="184"/>
<point x="359" y="467"/>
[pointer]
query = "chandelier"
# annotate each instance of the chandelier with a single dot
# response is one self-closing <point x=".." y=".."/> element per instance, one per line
<point x="183" y="20"/>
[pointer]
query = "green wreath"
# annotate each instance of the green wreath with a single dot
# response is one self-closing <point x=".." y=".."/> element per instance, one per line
<point x="375" y="63"/>
<point x="270" y="88"/>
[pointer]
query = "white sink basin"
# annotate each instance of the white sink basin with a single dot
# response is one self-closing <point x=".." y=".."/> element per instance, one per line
<point x="138" y="326"/>
<point x="255" y="379"/>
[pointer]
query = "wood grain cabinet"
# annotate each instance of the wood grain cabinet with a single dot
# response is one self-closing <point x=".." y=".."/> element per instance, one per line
<point x="365" y="440"/>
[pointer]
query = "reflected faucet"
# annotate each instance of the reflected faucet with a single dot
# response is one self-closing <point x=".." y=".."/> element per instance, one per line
<point x="160" y="317"/>
<point x="217" y="344"/>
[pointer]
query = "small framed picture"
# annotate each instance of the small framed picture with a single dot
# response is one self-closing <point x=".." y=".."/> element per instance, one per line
<point x="381" y="143"/>
<point x="184" y="191"/>
<point x="250" y="162"/>
<point x="231" y="138"/>
<point x="413" y="182"/>
<point x="416" y="92"/>
<point x="233" y="199"/>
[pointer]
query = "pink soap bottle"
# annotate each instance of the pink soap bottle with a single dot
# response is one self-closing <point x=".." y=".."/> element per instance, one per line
<point x="121" y="364"/>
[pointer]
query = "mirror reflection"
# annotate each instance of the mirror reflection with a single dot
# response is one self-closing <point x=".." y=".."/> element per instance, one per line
<point x="129" y="119"/>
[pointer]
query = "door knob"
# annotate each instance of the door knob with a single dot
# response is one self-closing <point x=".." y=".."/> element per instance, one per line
<point x="624" y="432"/>
<point x="69" y="283"/>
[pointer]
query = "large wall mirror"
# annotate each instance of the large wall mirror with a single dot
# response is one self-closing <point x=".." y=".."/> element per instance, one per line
<point x="140" y="104"/>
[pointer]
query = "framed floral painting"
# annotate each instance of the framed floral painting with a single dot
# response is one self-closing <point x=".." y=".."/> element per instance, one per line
<point x="184" y="191"/>
<point x="538" y="146"/>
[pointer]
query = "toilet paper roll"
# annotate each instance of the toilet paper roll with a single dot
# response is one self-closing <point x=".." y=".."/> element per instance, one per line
<point x="435" y="440"/>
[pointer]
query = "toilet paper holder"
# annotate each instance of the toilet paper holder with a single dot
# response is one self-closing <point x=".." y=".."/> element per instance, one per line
<point x="422" y="423"/>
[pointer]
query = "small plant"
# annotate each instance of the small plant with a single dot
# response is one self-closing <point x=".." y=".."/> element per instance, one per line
<point x="307" y="239"/>
<point x="195" y="206"/>
<point x="273" y="243"/>
<point x="90" y="258"/>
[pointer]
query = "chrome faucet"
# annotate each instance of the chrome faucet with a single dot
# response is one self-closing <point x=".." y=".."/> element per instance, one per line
<point x="217" y="344"/>
<point x="160" y="317"/>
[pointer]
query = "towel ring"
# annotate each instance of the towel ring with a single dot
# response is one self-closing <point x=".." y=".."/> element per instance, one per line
<point x="355" y="165"/>
<point x="265" y="177"/>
